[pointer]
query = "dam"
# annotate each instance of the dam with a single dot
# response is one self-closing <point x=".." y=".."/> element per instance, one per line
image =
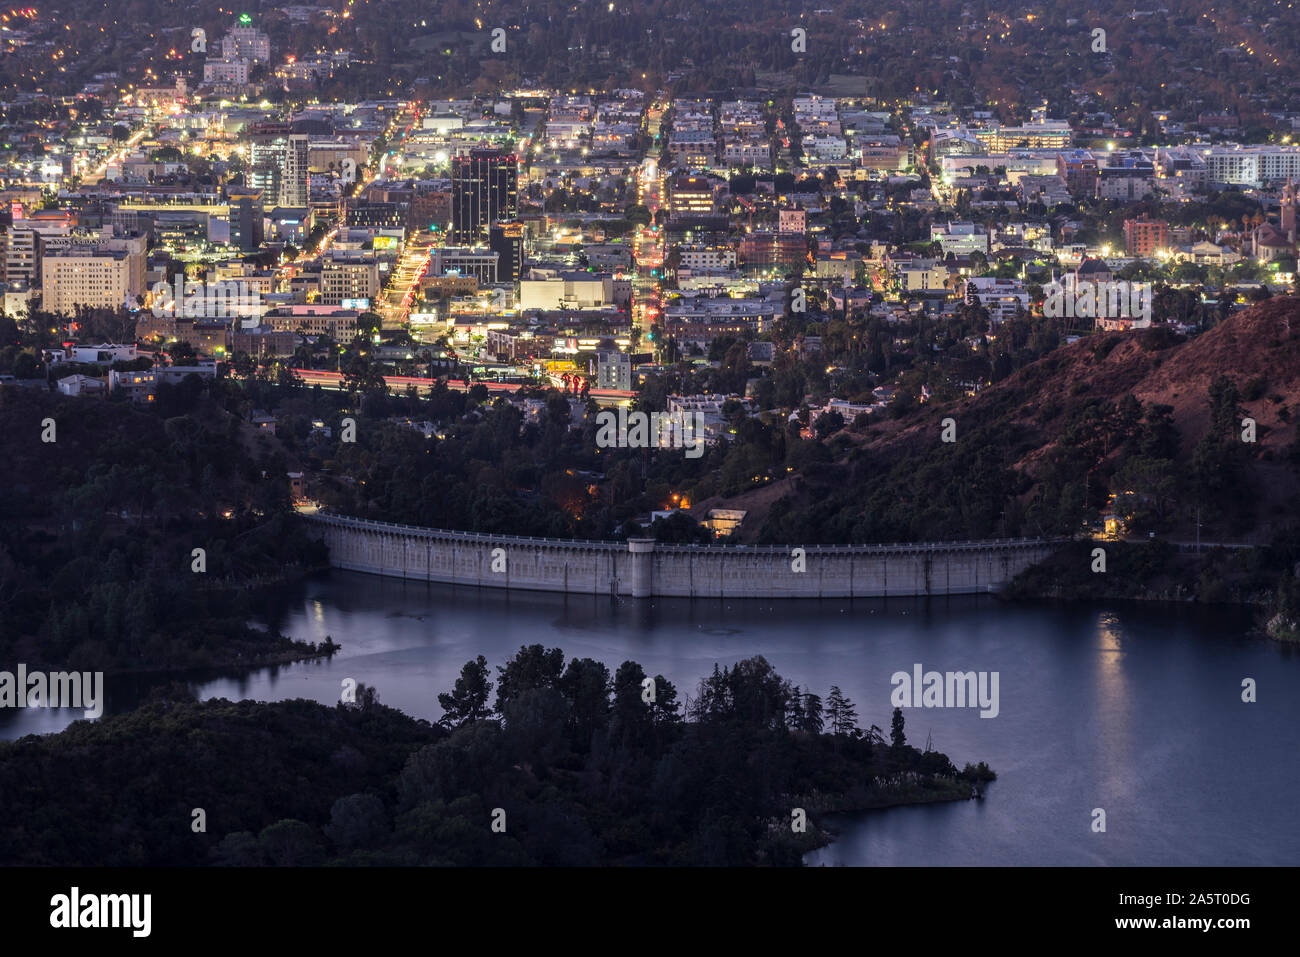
<point x="644" y="568"/>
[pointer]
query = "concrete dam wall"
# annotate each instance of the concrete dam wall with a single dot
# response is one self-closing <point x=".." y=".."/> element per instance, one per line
<point x="643" y="568"/>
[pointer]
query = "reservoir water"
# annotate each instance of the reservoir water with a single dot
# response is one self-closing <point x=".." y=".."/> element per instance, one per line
<point x="1134" y="709"/>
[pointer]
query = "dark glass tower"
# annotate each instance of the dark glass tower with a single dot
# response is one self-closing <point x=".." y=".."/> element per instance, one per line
<point x="507" y="241"/>
<point x="484" y="190"/>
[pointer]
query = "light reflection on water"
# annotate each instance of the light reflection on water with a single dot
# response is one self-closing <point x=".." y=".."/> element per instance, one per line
<point x="1133" y="709"/>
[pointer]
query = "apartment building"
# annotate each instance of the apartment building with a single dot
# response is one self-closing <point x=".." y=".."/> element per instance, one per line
<point x="246" y="42"/>
<point x="348" y="276"/>
<point x="1144" y="236"/>
<point x="108" y="274"/>
<point x="693" y="150"/>
<point x="226" y="72"/>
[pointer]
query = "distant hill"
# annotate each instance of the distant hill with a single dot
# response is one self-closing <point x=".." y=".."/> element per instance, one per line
<point x="1040" y="451"/>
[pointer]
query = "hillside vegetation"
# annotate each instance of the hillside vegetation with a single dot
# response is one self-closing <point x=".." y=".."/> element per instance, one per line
<point x="98" y="530"/>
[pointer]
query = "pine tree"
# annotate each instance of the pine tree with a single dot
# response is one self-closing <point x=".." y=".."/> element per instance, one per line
<point x="712" y="701"/>
<point x="812" y="714"/>
<point x="896" y="737"/>
<point x="834" y="707"/>
<point x="468" y="700"/>
<point x="663" y="709"/>
<point x="841" y="712"/>
<point x="631" y="719"/>
<point x="794" y="714"/>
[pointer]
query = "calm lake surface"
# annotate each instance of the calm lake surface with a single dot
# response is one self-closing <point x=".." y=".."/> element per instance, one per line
<point x="1135" y="709"/>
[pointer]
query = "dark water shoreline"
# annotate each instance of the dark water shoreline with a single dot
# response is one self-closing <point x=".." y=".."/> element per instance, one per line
<point x="1128" y="705"/>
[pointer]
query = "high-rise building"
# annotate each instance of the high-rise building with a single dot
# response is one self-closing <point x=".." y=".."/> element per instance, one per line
<point x="25" y="241"/>
<point x="267" y="146"/>
<point x="507" y="241"/>
<point x="613" y="370"/>
<point x="293" y="171"/>
<point x="22" y="255"/>
<point x="264" y="178"/>
<point x="278" y="163"/>
<point x="484" y="190"/>
<point x="246" y="230"/>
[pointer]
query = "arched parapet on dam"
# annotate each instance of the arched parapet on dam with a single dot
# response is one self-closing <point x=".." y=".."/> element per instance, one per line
<point x="643" y="568"/>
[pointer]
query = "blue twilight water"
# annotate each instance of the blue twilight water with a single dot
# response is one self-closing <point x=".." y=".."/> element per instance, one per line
<point x="1130" y="708"/>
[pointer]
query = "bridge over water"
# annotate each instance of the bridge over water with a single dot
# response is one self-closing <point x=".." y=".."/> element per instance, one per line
<point x="643" y="568"/>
